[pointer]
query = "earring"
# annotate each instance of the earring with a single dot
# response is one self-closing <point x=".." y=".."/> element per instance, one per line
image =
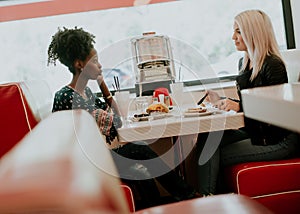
<point x="81" y="69"/>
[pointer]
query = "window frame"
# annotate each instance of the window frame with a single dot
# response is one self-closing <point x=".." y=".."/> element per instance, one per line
<point x="288" y="24"/>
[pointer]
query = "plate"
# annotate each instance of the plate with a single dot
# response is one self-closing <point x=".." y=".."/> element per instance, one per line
<point x="196" y="110"/>
<point x="196" y="114"/>
<point x="152" y="116"/>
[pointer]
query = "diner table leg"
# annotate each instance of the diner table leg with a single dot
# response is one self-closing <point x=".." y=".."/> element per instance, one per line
<point x="175" y="142"/>
<point x="183" y="145"/>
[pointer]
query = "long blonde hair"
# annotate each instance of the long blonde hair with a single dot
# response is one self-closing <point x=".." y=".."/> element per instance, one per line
<point x="258" y="35"/>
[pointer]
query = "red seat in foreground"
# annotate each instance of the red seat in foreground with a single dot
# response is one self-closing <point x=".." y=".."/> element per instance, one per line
<point x="276" y="184"/>
<point x="219" y="204"/>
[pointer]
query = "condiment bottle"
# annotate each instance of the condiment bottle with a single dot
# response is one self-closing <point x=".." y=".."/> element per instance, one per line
<point x="167" y="100"/>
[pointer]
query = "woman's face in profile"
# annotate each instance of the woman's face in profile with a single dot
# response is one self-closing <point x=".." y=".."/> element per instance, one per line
<point x="92" y="68"/>
<point x="238" y="39"/>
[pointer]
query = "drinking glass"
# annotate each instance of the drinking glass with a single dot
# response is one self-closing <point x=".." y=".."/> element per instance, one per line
<point x="123" y="100"/>
<point x="141" y="104"/>
<point x="176" y="87"/>
<point x="177" y="93"/>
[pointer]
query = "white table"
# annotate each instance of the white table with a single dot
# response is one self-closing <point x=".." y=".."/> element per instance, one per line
<point x="278" y="105"/>
<point x="187" y="128"/>
<point x="177" y="125"/>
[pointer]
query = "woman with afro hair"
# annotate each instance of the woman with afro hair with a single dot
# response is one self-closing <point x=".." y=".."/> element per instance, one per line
<point x="137" y="164"/>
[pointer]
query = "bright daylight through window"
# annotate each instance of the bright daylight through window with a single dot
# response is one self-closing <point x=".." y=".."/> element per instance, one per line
<point x="200" y="34"/>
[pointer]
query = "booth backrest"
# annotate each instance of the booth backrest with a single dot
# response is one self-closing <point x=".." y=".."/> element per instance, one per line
<point x="39" y="97"/>
<point x="17" y="118"/>
<point x="21" y="110"/>
<point x="292" y="60"/>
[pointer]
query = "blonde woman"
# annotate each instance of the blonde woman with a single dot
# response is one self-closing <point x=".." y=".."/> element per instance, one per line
<point x="261" y="65"/>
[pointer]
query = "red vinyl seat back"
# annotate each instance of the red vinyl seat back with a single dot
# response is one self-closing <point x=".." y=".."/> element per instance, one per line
<point x="16" y="116"/>
<point x="129" y="197"/>
<point x="220" y="204"/>
<point x="275" y="184"/>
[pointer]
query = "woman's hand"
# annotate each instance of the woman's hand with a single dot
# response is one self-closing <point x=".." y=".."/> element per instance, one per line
<point x="227" y="105"/>
<point x="212" y="96"/>
<point x="100" y="80"/>
<point x="105" y="91"/>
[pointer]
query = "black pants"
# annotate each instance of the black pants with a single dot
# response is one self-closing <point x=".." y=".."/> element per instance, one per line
<point x="234" y="147"/>
<point x="138" y="165"/>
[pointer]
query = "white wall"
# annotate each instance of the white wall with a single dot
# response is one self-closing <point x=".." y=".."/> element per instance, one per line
<point x="296" y="20"/>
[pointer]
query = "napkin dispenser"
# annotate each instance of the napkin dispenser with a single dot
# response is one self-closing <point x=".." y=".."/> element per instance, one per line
<point x="153" y="62"/>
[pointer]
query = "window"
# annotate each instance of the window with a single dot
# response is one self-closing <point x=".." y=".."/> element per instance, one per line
<point x="200" y="34"/>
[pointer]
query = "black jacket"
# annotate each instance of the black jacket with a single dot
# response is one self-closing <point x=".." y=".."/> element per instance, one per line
<point x="273" y="72"/>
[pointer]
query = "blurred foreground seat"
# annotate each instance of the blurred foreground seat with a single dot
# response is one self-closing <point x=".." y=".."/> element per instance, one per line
<point x="62" y="166"/>
<point x="219" y="204"/>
